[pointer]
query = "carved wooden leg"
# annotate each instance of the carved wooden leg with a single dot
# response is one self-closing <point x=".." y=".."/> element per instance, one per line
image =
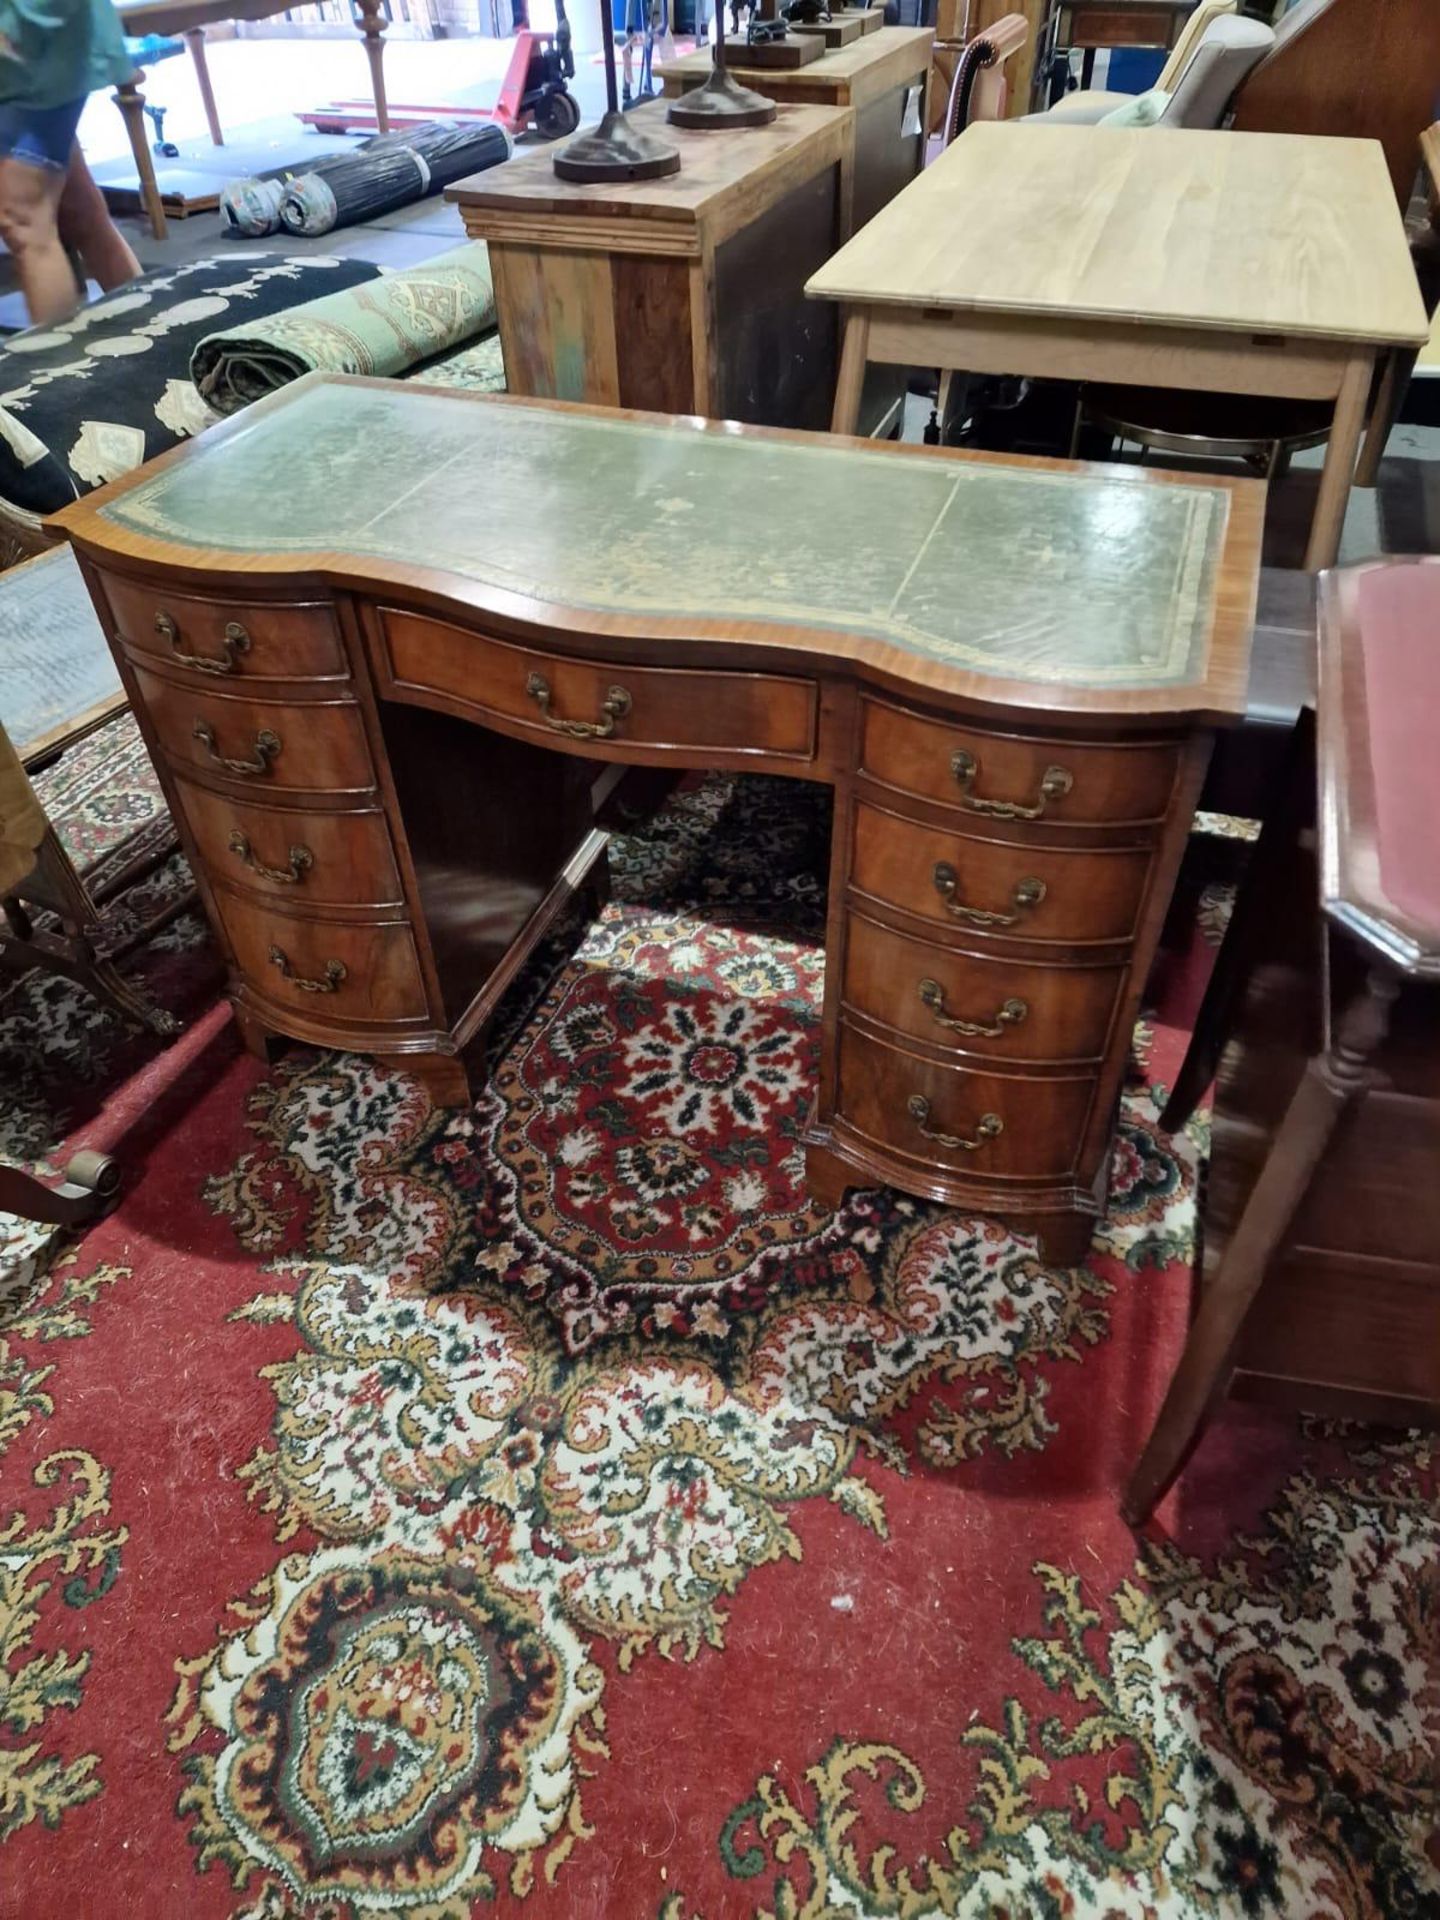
<point x="372" y="23"/>
<point x="851" y="382"/>
<point x="444" y="1076"/>
<point x="1330" y="1082"/>
<point x="131" y="103"/>
<point x="1064" y="1237"/>
<point x="255" y="1036"/>
<point x="826" y="1178"/>
<point x="1339" y="468"/>
<point x="195" y="40"/>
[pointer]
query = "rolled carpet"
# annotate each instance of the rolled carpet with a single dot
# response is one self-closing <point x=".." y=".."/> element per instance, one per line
<point x="389" y="172"/>
<point x="405" y="318"/>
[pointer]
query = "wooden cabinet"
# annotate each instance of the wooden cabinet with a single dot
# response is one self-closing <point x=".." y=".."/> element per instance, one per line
<point x="681" y="295"/>
<point x="881" y="77"/>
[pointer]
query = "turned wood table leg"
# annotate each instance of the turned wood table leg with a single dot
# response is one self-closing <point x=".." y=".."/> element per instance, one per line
<point x="372" y="23"/>
<point x="1330" y="1082"/>
<point x="1339" y="469"/>
<point x="195" y="40"/>
<point x="851" y="381"/>
<point x="131" y="102"/>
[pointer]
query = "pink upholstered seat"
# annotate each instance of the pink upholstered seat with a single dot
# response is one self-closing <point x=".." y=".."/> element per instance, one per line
<point x="1399" y="619"/>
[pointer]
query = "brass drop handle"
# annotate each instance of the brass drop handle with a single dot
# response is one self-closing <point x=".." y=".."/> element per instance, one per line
<point x="267" y="745"/>
<point x="990" y="1127"/>
<point x="236" y="641"/>
<point x="1026" y="894"/>
<point x="616" y="705"/>
<point x="334" y="973"/>
<point x="1055" y="783"/>
<point x="1010" y="1014"/>
<point x="301" y="861"/>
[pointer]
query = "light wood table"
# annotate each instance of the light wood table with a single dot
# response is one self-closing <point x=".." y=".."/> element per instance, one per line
<point x="685" y="294"/>
<point x="876" y="76"/>
<point x="1214" y="262"/>
<point x="190" y="18"/>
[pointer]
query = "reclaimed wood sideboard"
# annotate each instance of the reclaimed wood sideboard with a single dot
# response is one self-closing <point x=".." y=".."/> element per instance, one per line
<point x="382" y="640"/>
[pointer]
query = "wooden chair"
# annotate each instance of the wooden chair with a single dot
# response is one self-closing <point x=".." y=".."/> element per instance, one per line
<point x="1322" y="1211"/>
<point x="1365" y="69"/>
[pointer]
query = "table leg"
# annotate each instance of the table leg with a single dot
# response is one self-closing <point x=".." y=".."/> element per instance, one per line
<point x="372" y="23"/>
<point x="1339" y="469"/>
<point x="131" y="102"/>
<point x="1399" y="365"/>
<point x="195" y="40"/>
<point x="1330" y="1082"/>
<point x="851" y="382"/>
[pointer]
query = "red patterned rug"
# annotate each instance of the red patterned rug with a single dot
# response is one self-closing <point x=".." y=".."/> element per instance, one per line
<point x="547" y="1512"/>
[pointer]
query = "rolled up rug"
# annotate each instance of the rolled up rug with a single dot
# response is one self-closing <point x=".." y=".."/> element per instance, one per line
<point x="389" y="172"/>
<point x="407" y="318"/>
<point x="251" y="207"/>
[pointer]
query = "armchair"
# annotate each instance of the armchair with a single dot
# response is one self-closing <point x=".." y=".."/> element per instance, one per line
<point x="979" y="87"/>
<point x="1088" y="104"/>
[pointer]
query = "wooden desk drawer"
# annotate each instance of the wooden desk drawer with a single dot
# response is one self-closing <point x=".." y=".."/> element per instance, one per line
<point x="993" y="887"/>
<point x="262" y="744"/>
<point x="946" y="1116"/>
<point x="978" y="1003"/>
<point x="1004" y="776"/>
<point x="564" y="703"/>
<point x="227" y="639"/>
<point x="297" y="859"/>
<point x="326" y="968"/>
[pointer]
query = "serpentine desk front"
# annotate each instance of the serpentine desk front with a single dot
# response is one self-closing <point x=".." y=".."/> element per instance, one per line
<point x="1009" y="671"/>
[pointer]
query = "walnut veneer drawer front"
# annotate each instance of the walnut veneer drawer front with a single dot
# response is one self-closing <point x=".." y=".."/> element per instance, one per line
<point x="566" y="701"/>
<point x="328" y="969"/>
<point x="296" y="859"/>
<point x="999" y="1008"/>
<point x="227" y="639"/>
<point x="1003" y="776"/>
<point x="1023" y="891"/>
<point x="268" y="745"/>
<point x="978" y="1123"/>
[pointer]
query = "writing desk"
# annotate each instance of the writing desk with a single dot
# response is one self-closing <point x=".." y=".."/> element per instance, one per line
<point x="1215" y="262"/>
<point x="1008" y="671"/>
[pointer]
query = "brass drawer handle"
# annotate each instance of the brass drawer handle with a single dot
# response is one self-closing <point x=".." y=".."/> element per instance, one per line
<point x="1010" y="1014"/>
<point x="267" y="745"/>
<point x="1055" y="783"/>
<point x="1027" y="894"/>
<point x="990" y="1127"/>
<point x="301" y="861"/>
<point x="616" y="705"/>
<point x="236" y="640"/>
<point x="334" y="973"/>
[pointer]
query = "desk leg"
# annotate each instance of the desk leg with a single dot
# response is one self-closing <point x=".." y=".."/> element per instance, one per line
<point x="1339" y="469"/>
<point x="1399" y="365"/>
<point x="195" y="40"/>
<point x="372" y="24"/>
<point x="1330" y="1082"/>
<point x="131" y="102"/>
<point x="851" y="382"/>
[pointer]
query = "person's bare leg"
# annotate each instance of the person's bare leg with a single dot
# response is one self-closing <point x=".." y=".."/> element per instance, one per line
<point x="87" y="229"/>
<point x="29" y="206"/>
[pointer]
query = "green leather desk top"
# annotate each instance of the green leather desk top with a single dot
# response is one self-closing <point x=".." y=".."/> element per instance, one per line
<point x="1091" y="578"/>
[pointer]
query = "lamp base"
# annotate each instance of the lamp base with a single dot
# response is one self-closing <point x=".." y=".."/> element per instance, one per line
<point x="721" y="102"/>
<point x="616" y="150"/>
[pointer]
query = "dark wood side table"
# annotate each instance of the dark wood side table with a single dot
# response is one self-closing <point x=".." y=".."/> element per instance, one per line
<point x="1322" y="1217"/>
<point x="681" y="295"/>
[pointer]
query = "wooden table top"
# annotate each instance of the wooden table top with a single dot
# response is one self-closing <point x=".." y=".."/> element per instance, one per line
<point x="57" y="677"/>
<point x="1242" y="232"/>
<point x="717" y="167"/>
<point x="906" y="49"/>
<point x="1044" y="583"/>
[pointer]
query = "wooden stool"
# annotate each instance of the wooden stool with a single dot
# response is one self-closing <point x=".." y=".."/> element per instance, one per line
<point x="1322" y="1216"/>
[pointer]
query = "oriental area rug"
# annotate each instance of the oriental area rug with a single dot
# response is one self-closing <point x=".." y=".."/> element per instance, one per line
<point x="546" y="1512"/>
